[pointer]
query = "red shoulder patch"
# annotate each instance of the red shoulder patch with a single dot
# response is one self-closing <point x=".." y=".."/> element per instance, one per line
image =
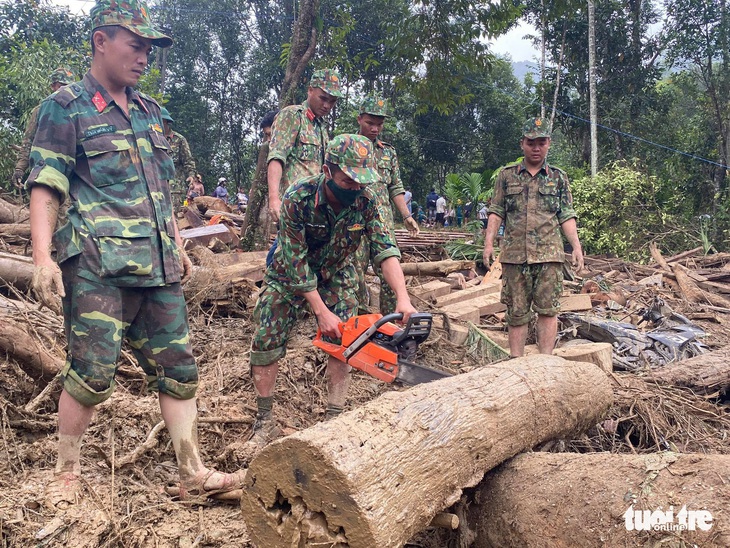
<point x="99" y="101"/>
<point x="310" y="115"/>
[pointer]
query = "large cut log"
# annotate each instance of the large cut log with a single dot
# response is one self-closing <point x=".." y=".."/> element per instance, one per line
<point x="436" y="268"/>
<point x="16" y="270"/>
<point x="11" y="213"/>
<point x="17" y="341"/>
<point x="706" y="374"/>
<point x="588" y="500"/>
<point x="378" y="474"/>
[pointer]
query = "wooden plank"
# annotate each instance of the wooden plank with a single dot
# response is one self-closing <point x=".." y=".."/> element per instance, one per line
<point x="430" y="290"/>
<point x="574" y="303"/>
<point x="204" y="234"/>
<point x="469" y="293"/>
<point x="457" y="332"/>
<point x="462" y="312"/>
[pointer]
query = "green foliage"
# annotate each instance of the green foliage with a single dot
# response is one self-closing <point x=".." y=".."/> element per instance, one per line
<point x="622" y="210"/>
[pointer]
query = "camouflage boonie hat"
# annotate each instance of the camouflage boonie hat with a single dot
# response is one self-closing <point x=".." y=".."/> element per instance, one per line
<point x="376" y="106"/>
<point x="354" y="155"/>
<point x="166" y="115"/>
<point x="132" y="15"/>
<point x="535" y="128"/>
<point x="62" y="75"/>
<point x="327" y="80"/>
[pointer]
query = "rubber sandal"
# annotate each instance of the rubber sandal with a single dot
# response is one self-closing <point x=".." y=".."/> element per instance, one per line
<point x="62" y="491"/>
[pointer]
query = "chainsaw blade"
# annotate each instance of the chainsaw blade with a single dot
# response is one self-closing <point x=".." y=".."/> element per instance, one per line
<point x="411" y="373"/>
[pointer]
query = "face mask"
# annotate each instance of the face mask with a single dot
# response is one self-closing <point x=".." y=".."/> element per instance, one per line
<point x="344" y="196"/>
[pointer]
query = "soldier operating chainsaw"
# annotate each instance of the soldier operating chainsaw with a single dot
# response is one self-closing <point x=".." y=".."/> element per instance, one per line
<point x="323" y="219"/>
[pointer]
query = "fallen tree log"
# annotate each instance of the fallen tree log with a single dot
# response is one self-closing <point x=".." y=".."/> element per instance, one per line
<point x="706" y="374"/>
<point x="11" y="213"/>
<point x="15" y="231"/>
<point x="31" y="355"/>
<point x="588" y="500"/>
<point x="377" y="475"/>
<point x="435" y="268"/>
<point x="16" y="270"/>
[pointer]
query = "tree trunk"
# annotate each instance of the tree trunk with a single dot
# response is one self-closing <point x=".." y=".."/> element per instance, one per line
<point x="302" y="47"/>
<point x="377" y="475"/>
<point x="705" y="374"/>
<point x="592" y="85"/>
<point x="16" y="270"/>
<point x="31" y="355"/>
<point x="581" y="500"/>
<point x="256" y="230"/>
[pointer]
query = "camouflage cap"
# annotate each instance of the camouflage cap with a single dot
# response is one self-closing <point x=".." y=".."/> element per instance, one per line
<point x="132" y="15"/>
<point x="62" y="75"/>
<point x="166" y="115"/>
<point x="327" y="80"/>
<point x="374" y="105"/>
<point x="535" y="128"/>
<point x="354" y="155"/>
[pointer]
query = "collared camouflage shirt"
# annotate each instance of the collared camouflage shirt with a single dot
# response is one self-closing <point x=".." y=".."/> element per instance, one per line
<point x="390" y="184"/>
<point x="182" y="157"/>
<point x="114" y="169"/>
<point x="21" y="163"/>
<point x="298" y="140"/>
<point x="533" y="209"/>
<point x="316" y="244"/>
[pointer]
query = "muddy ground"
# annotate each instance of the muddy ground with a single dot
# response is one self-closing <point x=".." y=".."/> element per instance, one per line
<point x="130" y="508"/>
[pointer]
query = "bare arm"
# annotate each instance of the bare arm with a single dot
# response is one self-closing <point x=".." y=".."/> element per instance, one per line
<point x="327" y="321"/>
<point x="490" y="232"/>
<point x="408" y="220"/>
<point x="570" y="229"/>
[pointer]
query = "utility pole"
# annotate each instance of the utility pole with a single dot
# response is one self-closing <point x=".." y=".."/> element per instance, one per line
<point x="592" y="85"/>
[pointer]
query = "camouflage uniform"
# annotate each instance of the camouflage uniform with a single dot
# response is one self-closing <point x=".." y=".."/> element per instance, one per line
<point x="62" y="76"/>
<point x="385" y="190"/>
<point x="315" y="252"/>
<point x="533" y="208"/>
<point x="119" y="240"/>
<point x="298" y="138"/>
<point x="183" y="160"/>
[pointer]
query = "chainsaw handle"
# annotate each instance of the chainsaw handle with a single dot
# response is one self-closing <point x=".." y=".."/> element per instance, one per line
<point x="341" y="327"/>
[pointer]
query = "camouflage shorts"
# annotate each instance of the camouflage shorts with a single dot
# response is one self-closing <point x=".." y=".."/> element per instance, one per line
<point x="536" y="286"/>
<point x="276" y="312"/>
<point x="99" y="317"/>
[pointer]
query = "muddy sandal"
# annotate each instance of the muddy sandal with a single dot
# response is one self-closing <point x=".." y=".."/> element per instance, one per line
<point x="62" y="491"/>
<point x="194" y="490"/>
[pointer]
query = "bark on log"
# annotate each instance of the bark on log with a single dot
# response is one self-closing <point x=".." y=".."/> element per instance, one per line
<point x="11" y="213"/>
<point x="31" y="355"/>
<point x="204" y="203"/>
<point x="436" y="268"/>
<point x="15" y="231"/>
<point x="16" y="270"/>
<point x="378" y="474"/>
<point x="704" y="374"/>
<point x="580" y="500"/>
<point x="694" y="294"/>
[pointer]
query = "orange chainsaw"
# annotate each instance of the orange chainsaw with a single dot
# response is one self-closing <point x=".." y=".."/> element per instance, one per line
<point x="374" y="345"/>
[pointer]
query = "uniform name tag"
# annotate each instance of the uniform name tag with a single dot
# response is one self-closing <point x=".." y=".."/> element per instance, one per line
<point x="101" y="130"/>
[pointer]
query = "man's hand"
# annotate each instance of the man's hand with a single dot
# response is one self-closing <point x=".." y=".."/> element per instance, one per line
<point x="412" y="226"/>
<point x="47" y="285"/>
<point x="488" y="255"/>
<point x="17" y="178"/>
<point x="274" y="208"/>
<point x="406" y="308"/>
<point x="329" y="324"/>
<point x="186" y="264"/>
<point x="577" y="259"/>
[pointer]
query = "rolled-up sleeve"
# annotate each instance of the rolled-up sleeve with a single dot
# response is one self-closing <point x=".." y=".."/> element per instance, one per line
<point x="53" y="154"/>
<point x="283" y="135"/>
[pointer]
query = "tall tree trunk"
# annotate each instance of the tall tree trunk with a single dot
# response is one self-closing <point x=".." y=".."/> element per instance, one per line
<point x="592" y="85"/>
<point x="557" y="76"/>
<point x="256" y="228"/>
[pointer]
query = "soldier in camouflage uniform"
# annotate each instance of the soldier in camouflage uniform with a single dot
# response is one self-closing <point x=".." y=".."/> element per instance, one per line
<point x="59" y="77"/>
<point x="389" y="188"/>
<point x="100" y="145"/>
<point x="298" y="137"/>
<point x="182" y="158"/>
<point x="534" y="201"/>
<point x="323" y="220"/>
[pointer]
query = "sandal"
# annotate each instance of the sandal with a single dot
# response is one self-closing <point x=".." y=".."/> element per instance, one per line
<point x="62" y="491"/>
<point x="194" y="490"/>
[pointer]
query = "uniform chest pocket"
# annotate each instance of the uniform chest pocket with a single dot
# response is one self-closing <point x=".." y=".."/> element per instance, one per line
<point x="110" y="159"/>
<point x="317" y="234"/>
<point x="309" y="148"/>
<point x="163" y="153"/>
<point x="385" y="169"/>
<point x="514" y="196"/>
<point x="549" y="196"/>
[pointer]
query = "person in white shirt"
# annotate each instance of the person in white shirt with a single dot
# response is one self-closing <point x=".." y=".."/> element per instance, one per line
<point x="440" y="210"/>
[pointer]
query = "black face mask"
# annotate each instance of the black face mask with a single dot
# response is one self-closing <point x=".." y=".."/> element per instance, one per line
<point x="344" y="196"/>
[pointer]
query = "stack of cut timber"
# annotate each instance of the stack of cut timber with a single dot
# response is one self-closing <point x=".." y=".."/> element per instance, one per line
<point x="427" y="239"/>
